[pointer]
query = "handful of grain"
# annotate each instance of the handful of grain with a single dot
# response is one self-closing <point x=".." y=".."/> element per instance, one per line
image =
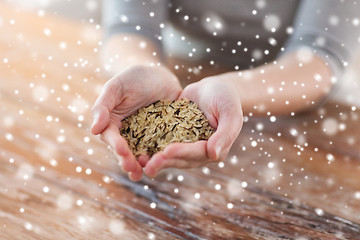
<point x="154" y="127"/>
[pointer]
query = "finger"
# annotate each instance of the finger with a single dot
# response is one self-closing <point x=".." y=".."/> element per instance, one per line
<point x="103" y="105"/>
<point x="143" y="159"/>
<point x="159" y="162"/>
<point x="135" y="176"/>
<point x="112" y="137"/>
<point x="229" y="126"/>
<point x="190" y="151"/>
<point x="190" y="92"/>
<point x="101" y="118"/>
<point x="177" y="155"/>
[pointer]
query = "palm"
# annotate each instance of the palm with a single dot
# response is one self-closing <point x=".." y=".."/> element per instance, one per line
<point x="121" y="96"/>
<point x="221" y="106"/>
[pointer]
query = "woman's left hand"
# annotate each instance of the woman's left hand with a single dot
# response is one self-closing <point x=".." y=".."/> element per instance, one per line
<point x="220" y="102"/>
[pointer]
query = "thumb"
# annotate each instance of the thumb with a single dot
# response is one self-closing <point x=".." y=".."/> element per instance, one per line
<point x="229" y="126"/>
<point x="104" y="104"/>
<point x="101" y="119"/>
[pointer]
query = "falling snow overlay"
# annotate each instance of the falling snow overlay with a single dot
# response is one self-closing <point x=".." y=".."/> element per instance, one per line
<point x="286" y="176"/>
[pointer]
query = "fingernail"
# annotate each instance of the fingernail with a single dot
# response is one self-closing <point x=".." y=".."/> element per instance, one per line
<point x="131" y="177"/>
<point x="95" y="120"/>
<point x="120" y="159"/>
<point x="217" y="151"/>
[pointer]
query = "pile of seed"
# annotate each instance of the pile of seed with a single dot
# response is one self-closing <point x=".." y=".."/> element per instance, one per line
<point x="154" y="127"/>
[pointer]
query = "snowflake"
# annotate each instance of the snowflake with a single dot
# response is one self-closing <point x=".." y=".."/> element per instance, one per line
<point x="197" y="195"/>
<point x="213" y="23"/>
<point x="117" y="227"/>
<point x="79" y="202"/>
<point x="28" y="226"/>
<point x="9" y="137"/>
<point x="64" y="201"/>
<point x="91" y="5"/>
<point x="271" y="165"/>
<point x="330" y="126"/>
<point x="47" y="32"/>
<point x="260" y="4"/>
<point x="304" y="55"/>
<point x="334" y="20"/>
<point x="180" y="178"/>
<point x="271" y="22"/>
<point x="230" y="206"/>
<point x="25" y="171"/>
<point x="319" y="211"/>
<point x="46" y="189"/>
<point x="106" y="179"/>
<point x="40" y="93"/>
<point x="151" y="236"/>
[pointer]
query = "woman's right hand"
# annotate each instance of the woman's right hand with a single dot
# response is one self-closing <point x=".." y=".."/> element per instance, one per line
<point x="131" y="89"/>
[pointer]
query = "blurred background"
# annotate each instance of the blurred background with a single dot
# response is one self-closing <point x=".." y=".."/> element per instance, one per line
<point x="90" y="11"/>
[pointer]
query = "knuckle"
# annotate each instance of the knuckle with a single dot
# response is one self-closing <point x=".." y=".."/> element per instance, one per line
<point x="231" y="136"/>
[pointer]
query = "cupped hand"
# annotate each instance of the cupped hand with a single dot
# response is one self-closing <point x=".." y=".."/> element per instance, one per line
<point x="220" y="102"/>
<point x="135" y="87"/>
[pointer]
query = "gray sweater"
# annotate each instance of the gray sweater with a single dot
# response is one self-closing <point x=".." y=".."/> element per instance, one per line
<point x="243" y="33"/>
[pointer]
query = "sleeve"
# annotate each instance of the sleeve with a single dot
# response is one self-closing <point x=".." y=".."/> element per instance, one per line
<point x="134" y="16"/>
<point x="330" y="28"/>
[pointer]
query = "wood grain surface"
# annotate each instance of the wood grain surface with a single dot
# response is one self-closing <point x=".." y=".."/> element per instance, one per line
<point x="286" y="178"/>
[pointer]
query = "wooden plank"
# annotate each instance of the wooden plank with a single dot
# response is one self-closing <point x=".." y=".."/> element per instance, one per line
<point x="33" y="208"/>
<point x="332" y="127"/>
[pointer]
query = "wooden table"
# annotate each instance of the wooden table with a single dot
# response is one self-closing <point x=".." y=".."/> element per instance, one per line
<point x="293" y="178"/>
